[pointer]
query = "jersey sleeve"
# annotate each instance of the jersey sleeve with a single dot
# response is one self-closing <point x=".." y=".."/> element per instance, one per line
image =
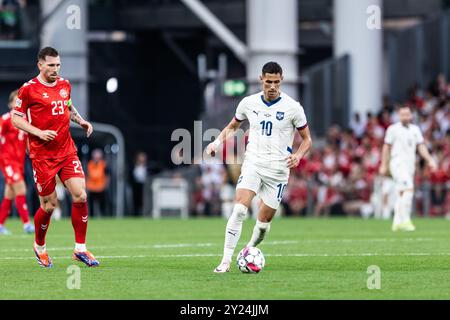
<point x="419" y="136"/>
<point x="299" y="120"/>
<point x="241" y="111"/>
<point x="21" y="105"/>
<point x="389" y="137"/>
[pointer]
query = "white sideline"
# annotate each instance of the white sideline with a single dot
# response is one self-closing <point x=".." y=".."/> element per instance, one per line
<point x="297" y="255"/>
<point x="192" y="245"/>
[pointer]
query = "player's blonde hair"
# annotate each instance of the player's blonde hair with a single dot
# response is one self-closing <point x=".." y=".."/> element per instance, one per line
<point x="12" y="96"/>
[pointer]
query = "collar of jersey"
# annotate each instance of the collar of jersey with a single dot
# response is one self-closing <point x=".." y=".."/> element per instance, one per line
<point x="271" y="103"/>
<point x="46" y="83"/>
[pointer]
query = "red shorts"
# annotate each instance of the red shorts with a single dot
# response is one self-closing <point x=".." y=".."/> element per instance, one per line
<point x="12" y="171"/>
<point x="45" y="171"/>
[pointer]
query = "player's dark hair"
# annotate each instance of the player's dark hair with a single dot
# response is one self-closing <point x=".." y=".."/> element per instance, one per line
<point x="47" y="51"/>
<point x="272" y="67"/>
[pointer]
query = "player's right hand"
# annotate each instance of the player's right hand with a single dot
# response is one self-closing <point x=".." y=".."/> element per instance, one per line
<point x="211" y="149"/>
<point x="48" y="135"/>
<point x="383" y="170"/>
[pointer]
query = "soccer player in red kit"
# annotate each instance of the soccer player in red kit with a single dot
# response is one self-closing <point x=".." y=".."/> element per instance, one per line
<point x="45" y="101"/>
<point x="13" y="144"/>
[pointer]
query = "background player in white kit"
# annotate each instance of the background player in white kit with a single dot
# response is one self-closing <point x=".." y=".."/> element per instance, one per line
<point x="274" y="117"/>
<point x="399" y="156"/>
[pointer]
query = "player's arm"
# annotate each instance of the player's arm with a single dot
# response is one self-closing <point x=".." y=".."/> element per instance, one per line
<point x="385" y="156"/>
<point x="78" y="119"/>
<point x="20" y="123"/>
<point x="226" y="133"/>
<point x="424" y="153"/>
<point x="294" y="159"/>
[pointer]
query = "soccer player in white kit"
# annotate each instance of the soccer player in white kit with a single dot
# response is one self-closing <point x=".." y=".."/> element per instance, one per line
<point x="274" y="117"/>
<point x="401" y="141"/>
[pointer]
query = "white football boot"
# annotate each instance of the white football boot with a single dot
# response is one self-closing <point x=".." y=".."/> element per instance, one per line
<point x="223" y="267"/>
<point x="405" y="226"/>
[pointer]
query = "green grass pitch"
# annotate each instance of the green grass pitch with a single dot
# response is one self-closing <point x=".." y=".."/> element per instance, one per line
<point x="174" y="259"/>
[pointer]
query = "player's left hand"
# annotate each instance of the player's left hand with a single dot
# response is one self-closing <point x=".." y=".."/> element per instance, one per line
<point x="88" y="127"/>
<point x="432" y="164"/>
<point x="293" y="161"/>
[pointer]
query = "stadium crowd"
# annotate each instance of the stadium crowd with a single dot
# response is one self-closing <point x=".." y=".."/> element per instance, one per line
<point x="341" y="176"/>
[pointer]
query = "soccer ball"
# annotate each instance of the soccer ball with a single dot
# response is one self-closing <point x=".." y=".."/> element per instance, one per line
<point x="250" y="260"/>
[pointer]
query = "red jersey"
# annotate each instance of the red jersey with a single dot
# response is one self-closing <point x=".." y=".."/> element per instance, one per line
<point x="13" y="142"/>
<point x="46" y="107"/>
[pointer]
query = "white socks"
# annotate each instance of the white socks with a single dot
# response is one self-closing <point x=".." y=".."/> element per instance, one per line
<point x="80" y="247"/>
<point x="233" y="230"/>
<point x="40" y="249"/>
<point x="259" y="232"/>
<point x="403" y="207"/>
<point x="386" y="212"/>
<point x="407" y="200"/>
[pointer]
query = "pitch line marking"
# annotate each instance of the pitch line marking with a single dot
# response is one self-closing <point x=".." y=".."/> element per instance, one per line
<point x="296" y="255"/>
<point x="192" y="245"/>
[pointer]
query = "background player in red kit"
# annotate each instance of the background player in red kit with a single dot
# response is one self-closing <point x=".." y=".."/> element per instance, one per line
<point x="45" y="101"/>
<point x="13" y="144"/>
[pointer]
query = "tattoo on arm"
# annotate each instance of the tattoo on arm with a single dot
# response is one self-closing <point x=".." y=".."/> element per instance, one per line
<point x="75" y="116"/>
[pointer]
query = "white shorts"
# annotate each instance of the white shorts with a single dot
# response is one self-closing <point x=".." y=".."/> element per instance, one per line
<point x="269" y="183"/>
<point x="403" y="177"/>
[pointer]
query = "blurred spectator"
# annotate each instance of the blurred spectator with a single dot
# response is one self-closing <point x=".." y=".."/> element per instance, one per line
<point x="97" y="182"/>
<point x="10" y="18"/>
<point x="295" y="199"/>
<point x="357" y="125"/>
<point x="212" y="180"/>
<point x="139" y="177"/>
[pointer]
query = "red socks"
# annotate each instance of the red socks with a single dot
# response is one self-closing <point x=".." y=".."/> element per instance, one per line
<point x="79" y="221"/>
<point x="5" y="208"/>
<point x="22" y="209"/>
<point x="41" y="223"/>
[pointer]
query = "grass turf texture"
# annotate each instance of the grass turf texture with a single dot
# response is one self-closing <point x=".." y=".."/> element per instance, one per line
<point x="174" y="259"/>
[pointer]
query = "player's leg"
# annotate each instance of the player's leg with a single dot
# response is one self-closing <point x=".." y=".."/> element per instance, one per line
<point x="406" y="202"/>
<point x="404" y="198"/>
<point x="5" y="208"/>
<point x="20" y="191"/>
<point x="42" y="220"/>
<point x="271" y="193"/>
<point x="77" y="189"/>
<point x="262" y="226"/>
<point x="234" y="227"/>
<point x="247" y="187"/>
<point x="44" y="172"/>
<point x="390" y="199"/>
<point x="403" y="208"/>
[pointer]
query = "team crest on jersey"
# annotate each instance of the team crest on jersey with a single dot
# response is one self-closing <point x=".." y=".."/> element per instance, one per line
<point x="45" y="95"/>
<point x="63" y="93"/>
<point x="280" y="115"/>
<point x="18" y="103"/>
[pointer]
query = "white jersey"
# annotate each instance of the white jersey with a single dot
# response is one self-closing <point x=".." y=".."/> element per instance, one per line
<point x="404" y="141"/>
<point x="272" y="128"/>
